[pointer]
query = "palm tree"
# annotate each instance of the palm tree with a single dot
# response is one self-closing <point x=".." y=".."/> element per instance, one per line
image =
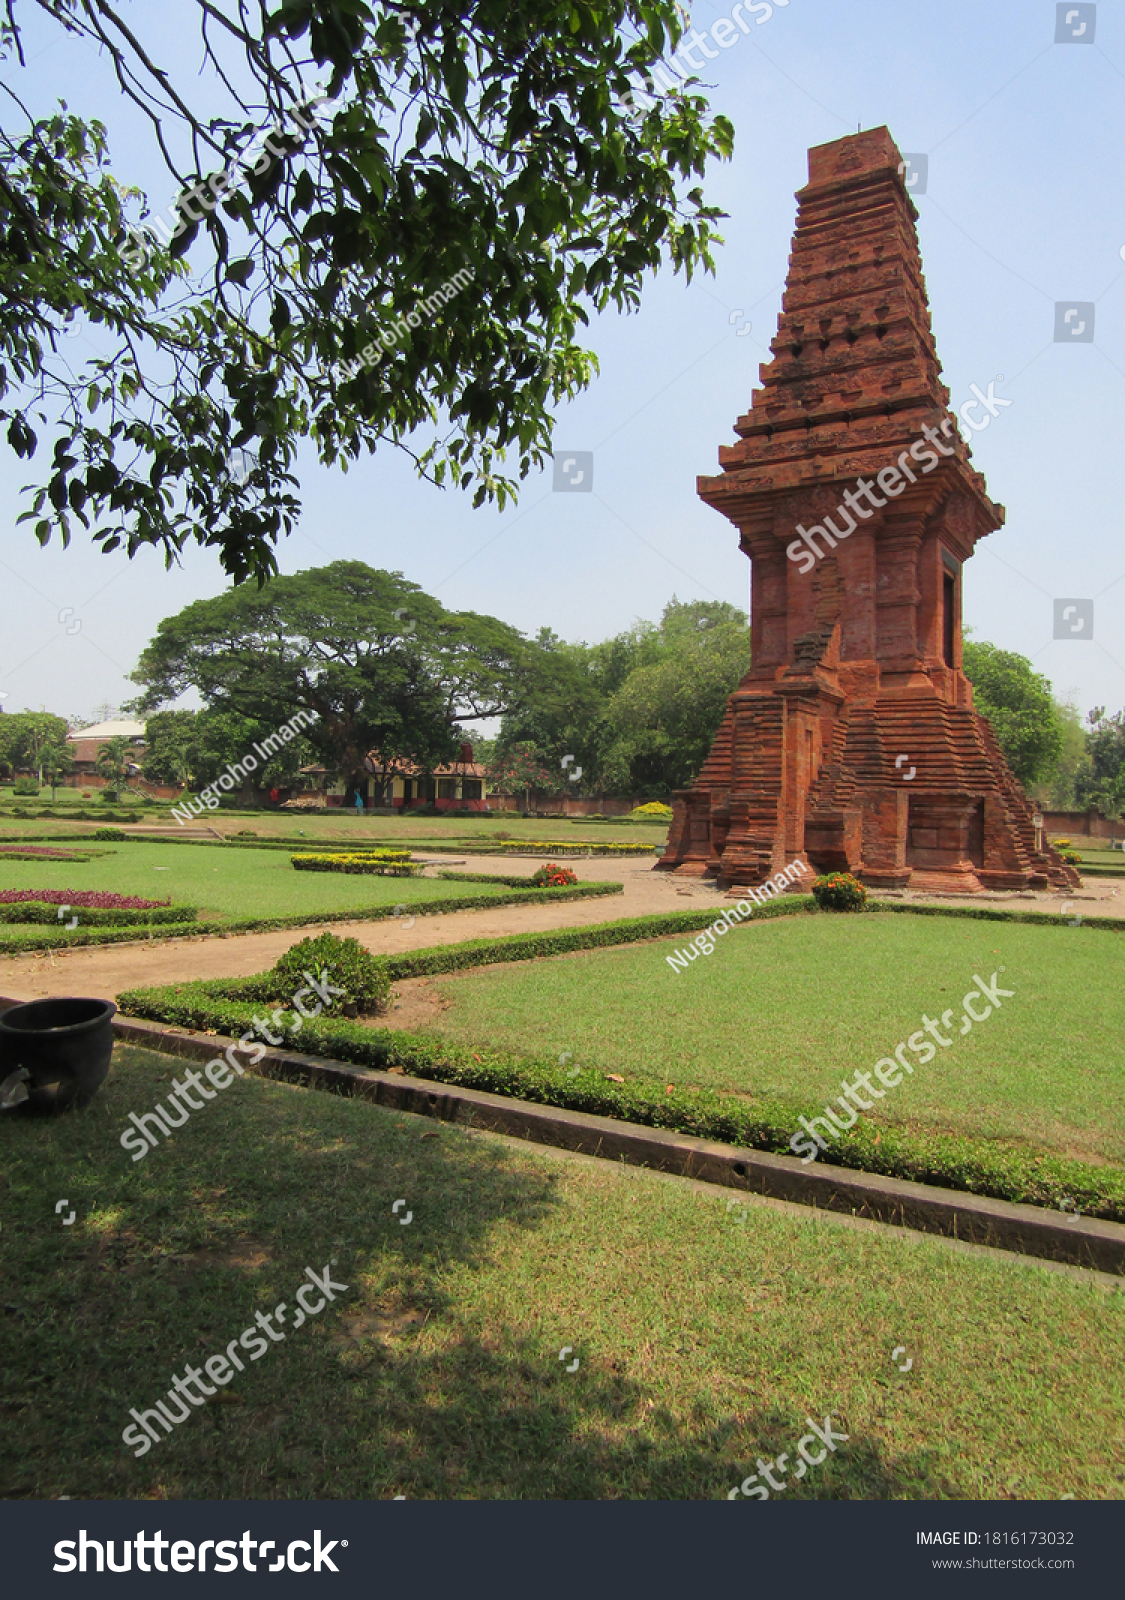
<point x="113" y="763"/>
<point x="57" y="762"/>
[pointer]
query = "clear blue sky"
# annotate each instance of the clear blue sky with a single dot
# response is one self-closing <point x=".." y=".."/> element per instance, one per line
<point x="1024" y="208"/>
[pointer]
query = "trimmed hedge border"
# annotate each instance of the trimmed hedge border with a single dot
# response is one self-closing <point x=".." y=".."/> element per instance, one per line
<point x="81" y="857"/>
<point x="1000" y="1169"/>
<point x="480" y="877"/>
<point x="561" y="941"/>
<point x="47" y="912"/>
<point x="470" y="846"/>
<point x="394" y="864"/>
<point x="636" y="930"/>
<point x="303" y="919"/>
<point x="623" y="821"/>
<point x="548" y="848"/>
<point x="283" y="842"/>
<point x="1046" y="919"/>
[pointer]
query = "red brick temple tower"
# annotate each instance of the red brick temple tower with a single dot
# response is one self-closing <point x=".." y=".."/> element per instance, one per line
<point x="852" y="743"/>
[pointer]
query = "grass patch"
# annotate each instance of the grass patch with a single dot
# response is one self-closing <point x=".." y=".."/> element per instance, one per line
<point x="344" y="827"/>
<point x="703" y="1344"/>
<point x="240" y="891"/>
<point x="983" y="1147"/>
<point x="788" y="1009"/>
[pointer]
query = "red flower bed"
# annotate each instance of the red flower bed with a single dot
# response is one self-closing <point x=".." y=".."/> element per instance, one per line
<point x="38" y="850"/>
<point x="80" y="897"/>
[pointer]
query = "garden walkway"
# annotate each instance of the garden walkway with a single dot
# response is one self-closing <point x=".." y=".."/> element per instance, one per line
<point x="106" y="970"/>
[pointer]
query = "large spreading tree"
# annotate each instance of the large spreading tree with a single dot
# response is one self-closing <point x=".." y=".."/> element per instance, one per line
<point x="379" y="664"/>
<point x="391" y="223"/>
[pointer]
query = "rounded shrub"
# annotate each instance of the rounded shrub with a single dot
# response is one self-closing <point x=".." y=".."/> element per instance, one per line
<point x="839" y="891"/>
<point x="25" y="786"/>
<point x="362" y="976"/>
<point x="111" y="835"/>
<point x="553" y="876"/>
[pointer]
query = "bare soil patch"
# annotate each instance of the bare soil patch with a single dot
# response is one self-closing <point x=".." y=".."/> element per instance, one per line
<point x="417" y="1004"/>
<point x="244" y="1255"/>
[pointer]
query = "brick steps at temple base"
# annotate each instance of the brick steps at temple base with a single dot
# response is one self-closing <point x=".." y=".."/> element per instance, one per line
<point x="949" y="881"/>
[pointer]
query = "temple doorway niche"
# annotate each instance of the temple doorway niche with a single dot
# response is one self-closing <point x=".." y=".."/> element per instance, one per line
<point x="950" y="571"/>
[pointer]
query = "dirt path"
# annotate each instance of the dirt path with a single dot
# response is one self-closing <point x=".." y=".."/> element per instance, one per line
<point x="106" y="970"/>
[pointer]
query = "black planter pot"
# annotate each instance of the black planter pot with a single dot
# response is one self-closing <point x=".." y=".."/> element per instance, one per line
<point x="62" y="1045"/>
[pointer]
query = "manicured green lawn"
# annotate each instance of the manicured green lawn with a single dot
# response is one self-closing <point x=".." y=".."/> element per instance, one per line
<point x="222" y="881"/>
<point x="461" y="830"/>
<point x="406" y="829"/>
<point x="703" y="1341"/>
<point x="790" y="1008"/>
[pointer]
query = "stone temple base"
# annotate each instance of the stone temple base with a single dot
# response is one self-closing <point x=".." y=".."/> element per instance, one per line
<point x="828" y="789"/>
<point x="963" y="882"/>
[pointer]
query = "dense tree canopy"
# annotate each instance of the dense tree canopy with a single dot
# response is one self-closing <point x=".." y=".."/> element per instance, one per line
<point x="378" y="663"/>
<point x="35" y="741"/>
<point x="391" y="231"/>
<point x="661" y="722"/>
<point x="1105" y="747"/>
<point x="194" y="747"/>
<point x="638" y="711"/>
<point x="1064" y="786"/>
<point x="1101" y="778"/>
<point x="1019" y="704"/>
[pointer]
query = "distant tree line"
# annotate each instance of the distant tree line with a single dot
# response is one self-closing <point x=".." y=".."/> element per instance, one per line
<point x="636" y="712"/>
<point x="384" y="668"/>
<point x="1063" y="765"/>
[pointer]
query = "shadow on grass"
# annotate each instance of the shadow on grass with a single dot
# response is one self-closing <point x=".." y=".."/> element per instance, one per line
<point x="476" y="1421"/>
<point x="420" y="1380"/>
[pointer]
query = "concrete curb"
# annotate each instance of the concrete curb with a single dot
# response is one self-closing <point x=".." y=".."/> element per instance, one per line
<point x="1030" y="1230"/>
